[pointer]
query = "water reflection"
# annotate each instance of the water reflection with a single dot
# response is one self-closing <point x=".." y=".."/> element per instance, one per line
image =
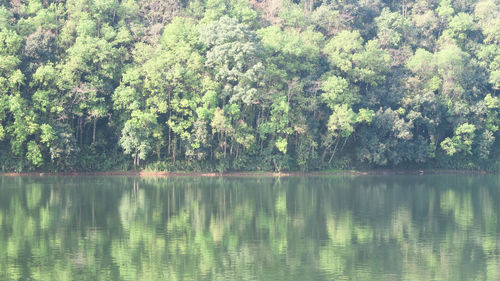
<point x="318" y="228"/>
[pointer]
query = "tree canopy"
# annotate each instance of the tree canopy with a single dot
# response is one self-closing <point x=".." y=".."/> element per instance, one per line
<point x="218" y="85"/>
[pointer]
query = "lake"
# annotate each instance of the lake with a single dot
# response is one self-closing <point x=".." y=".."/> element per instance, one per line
<point x="429" y="227"/>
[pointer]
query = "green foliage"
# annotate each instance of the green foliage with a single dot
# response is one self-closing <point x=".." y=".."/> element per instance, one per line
<point x="34" y="155"/>
<point x="241" y="85"/>
<point x="461" y="141"/>
<point x="137" y="133"/>
<point x="337" y="91"/>
<point x="281" y="145"/>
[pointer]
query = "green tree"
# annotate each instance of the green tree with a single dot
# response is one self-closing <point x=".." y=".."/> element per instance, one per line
<point x="137" y="134"/>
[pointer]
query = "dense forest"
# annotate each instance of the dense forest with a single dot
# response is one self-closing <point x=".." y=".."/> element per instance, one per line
<point x="219" y="85"/>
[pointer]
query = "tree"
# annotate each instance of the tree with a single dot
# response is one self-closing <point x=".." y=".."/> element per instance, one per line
<point x="248" y="85"/>
<point x="137" y="133"/>
<point x="233" y="55"/>
<point x="461" y="142"/>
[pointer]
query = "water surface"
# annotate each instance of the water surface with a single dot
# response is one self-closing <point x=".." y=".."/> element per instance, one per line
<point x="298" y="228"/>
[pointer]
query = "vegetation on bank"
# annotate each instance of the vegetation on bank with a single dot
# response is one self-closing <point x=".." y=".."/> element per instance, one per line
<point x="271" y="85"/>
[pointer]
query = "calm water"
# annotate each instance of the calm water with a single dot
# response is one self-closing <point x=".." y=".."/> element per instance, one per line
<point x="312" y="228"/>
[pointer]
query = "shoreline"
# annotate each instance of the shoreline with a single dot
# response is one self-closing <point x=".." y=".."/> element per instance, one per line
<point x="253" y="174"/>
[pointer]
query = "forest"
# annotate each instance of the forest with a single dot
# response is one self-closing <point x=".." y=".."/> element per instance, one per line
<point x="249" y="85"/>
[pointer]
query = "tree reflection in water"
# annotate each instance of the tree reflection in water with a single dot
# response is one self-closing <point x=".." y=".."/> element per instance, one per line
<point x="297" y="228"/>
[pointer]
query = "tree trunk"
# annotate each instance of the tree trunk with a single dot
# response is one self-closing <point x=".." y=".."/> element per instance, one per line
<point x="80" y="122"/>
<point x="323" y="155"/>
<point x="334" y="150"/>
<point x="225" y="145"/>
<point x="114" y="12"/>
<point x="93" y="134"/>
<point x="169" y="140"/>
<point x="77" y="129"/>
<point x="135" y="161"/>
<point x="174" y="150"/>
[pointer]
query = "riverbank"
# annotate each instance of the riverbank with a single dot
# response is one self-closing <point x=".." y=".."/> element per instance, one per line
<point x="251" y="174"/>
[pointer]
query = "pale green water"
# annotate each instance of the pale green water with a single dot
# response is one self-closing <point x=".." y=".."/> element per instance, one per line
<point x="312" y="228"/>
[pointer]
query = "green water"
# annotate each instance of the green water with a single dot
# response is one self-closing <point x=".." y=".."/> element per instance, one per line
<point x="298" y="228"/>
